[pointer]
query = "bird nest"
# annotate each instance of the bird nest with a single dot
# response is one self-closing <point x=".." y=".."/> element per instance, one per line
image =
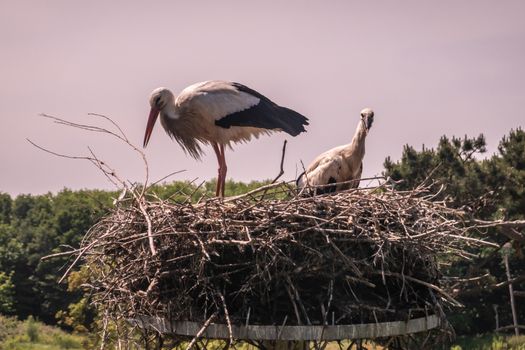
<point x="353" y="257"/>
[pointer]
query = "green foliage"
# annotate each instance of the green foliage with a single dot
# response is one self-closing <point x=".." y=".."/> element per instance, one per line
<point x="492" y="188"/>
<point x="79" y="315"/>
<point x="30" y="334"/>
<point x="9" y="327"/>
<point x="516" y="342"/>
<point x="489" y="342"/>
<point x="6" y="204"/>
<point x="7" y="294"/>
<point x="511" y="165"/>
<point x="180" y="190"/>
<point x="31" y="329"/>
<point x="453" y="164"/>
<point x="66" y="341"/>
<point x="36" y="226"/>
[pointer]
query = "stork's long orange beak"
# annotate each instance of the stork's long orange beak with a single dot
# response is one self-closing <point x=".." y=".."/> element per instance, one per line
<point x="153" y="114"/>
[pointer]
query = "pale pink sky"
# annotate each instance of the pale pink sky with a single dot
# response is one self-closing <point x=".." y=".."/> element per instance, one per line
<point x="426" y="68"/>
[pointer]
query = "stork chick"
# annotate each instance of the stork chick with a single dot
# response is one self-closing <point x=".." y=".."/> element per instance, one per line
<point x="218" y="113"/>
<point x="341" y="166"/>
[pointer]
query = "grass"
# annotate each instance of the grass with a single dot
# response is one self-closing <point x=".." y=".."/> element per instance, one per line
<point x="34" y="335"/>
<point x="490" y="342"/>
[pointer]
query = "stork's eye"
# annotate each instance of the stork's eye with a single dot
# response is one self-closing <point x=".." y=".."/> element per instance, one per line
<point x="157" y="100"/>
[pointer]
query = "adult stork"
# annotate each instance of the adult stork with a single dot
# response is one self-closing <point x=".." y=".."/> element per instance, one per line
<point x="218" y="113"/>
<point x="341" y="166"/>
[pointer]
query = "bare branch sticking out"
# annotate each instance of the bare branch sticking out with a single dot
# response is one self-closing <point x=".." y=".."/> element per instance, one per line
<point x="110" y="173"/>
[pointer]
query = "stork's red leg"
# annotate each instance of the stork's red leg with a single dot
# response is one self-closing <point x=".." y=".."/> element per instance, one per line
<point x="224" y="169"/>
<point x="219" y="176"/>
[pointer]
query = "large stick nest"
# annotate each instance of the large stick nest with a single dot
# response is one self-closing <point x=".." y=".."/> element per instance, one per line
<point x="351" y="257"/>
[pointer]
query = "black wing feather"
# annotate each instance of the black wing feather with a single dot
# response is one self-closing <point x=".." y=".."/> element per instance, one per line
<point x="266" y="115"/>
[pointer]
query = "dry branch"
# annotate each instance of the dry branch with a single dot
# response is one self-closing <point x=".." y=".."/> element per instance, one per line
<point x="109" y="173"/>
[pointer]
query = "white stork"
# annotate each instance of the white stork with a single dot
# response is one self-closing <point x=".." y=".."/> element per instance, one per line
<point x="218" y="113"/>
<point x="340" y="165"/>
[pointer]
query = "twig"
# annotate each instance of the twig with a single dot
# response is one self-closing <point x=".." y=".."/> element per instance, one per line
<point x="426" y="284"/>
<point x="201" y="331"/>
<point x="228" y="321"/>
<point x="110" y="173"/>
<point x="281" y="171"/>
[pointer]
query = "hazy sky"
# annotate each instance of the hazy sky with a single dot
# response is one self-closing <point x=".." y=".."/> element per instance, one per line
<point x="427" y="68"/>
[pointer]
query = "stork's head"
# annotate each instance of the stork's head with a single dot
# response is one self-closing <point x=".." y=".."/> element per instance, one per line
<point x="160" y="101"/>
<point x="367" y="117"/>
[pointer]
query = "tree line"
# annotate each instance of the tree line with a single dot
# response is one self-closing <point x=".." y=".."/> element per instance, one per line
<point x="486" y="188"/>
<point x="493" y="187"/>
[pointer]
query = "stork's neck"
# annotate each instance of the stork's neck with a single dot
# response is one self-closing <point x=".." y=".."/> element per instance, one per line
<point x="357" y="145"/>
<point x="170" y="111"/>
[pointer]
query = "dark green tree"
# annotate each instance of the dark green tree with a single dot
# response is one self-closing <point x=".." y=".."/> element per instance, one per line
<point x="7" y="294"/>
<point x="35" y="226"/>
<point x="491" y="188"/>
<point x="6" y="204"/>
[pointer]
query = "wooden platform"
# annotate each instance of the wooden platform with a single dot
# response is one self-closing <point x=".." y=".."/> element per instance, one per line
<point x="297" y="333"/>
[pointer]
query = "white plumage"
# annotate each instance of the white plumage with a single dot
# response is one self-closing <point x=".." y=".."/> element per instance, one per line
<point x="341" y="166"/>
<point x="218" y="113"/>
